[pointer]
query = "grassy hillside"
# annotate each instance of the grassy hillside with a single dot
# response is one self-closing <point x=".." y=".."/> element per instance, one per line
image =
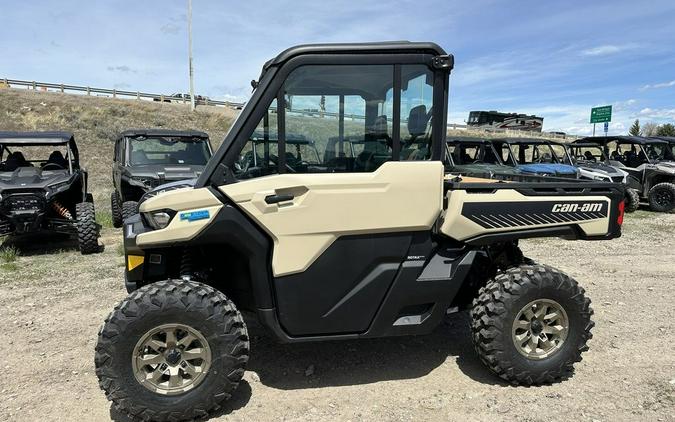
<point x="97" y="121"/>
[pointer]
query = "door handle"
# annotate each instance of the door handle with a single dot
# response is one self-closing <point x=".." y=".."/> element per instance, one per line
<point x="275" y="199"/>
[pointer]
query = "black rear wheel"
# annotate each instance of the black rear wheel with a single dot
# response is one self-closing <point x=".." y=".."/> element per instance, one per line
<point x="662" y="197"/>
<point x="116" y="209"/>
<point x="172" y="350"/>
<point x="530" y="324"/>
<point x="87" y="229"/>
<point x="632" y="200"/>
<point x="129" y="208"/>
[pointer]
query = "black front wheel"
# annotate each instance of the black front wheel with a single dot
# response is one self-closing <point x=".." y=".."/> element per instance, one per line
<point x="87" y="228"/>
<point x="172" y="350"/>
<point x="116" y="209"/>
<point x="662" y="197"/>
<point x="129" y="208"/>
<point x="530" y="324"/>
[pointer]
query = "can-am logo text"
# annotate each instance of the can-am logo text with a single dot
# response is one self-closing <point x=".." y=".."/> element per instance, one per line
<point x="576" y="208"/>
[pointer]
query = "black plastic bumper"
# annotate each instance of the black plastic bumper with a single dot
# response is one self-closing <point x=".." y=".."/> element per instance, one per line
<point x="133" y="226"/>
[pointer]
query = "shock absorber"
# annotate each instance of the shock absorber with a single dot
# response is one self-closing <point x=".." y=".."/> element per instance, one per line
<point x="186" y="265"/>
<point x="61" y="210"/>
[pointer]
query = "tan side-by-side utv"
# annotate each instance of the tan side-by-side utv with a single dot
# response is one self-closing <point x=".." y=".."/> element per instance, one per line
<point x="327" y="213"/>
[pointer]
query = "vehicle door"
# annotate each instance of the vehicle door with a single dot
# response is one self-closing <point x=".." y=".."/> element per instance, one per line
<point x="342" y="228"/>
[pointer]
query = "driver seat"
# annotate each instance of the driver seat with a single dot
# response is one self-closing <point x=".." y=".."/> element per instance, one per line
<point x="56" y="157"/>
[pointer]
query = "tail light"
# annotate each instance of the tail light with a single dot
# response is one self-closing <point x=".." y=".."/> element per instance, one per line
<point x="622" y="206"/>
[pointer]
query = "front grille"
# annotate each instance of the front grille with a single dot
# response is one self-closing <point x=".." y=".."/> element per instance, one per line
<point x="23" y="202"/>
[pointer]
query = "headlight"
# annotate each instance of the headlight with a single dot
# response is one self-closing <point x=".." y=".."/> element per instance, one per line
<point x="158" y="219"/>
<point x="142" y="181"/>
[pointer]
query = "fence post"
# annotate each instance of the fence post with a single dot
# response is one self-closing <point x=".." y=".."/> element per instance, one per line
<point x="138" y="96"/>
<point x="34" y="86"/>
<point x="61" y="88"/>
<point x="88" y="91"/>
<point x="161" y="98"/>
<point x="114" y="93"/>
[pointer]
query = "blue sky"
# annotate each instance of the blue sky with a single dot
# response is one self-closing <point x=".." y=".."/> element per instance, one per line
<point x="554" y="59"/>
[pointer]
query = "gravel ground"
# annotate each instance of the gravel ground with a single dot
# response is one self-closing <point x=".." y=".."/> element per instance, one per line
<point x="53" y="301"/>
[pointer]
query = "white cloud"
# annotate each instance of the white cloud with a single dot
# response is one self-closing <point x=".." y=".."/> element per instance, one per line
<point x="606" y="50"/>
<point x="659" y="85"/>
<point x="658" y="113"/>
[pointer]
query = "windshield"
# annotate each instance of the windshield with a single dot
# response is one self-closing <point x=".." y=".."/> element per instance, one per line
<point x="472" y="153"/>
<point x="537" y="154"/>
<point x="45" y="157"/>
<point x="164" y="150"/>
<point x="587" y="154"/>
<point x="257" y="151"/>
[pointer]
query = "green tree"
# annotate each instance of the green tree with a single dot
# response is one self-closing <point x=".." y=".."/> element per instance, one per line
<point x="635" y="129"/>
<point x="666" y="129"/>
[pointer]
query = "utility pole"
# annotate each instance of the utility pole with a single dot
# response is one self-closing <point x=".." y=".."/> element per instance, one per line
<point x="192" y="76"/>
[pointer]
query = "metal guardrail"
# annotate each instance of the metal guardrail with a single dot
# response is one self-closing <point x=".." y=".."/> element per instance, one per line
<point x="114" y="92"/>
<point x="206" y="101"/>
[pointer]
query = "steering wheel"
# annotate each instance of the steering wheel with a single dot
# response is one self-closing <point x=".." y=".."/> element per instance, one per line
<point x="54" y="165"/>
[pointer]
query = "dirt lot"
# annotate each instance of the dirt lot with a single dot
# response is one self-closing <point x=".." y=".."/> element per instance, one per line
<point x="54" y="299"/>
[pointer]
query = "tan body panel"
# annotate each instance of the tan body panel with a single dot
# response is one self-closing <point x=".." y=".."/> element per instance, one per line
<point x="399" y="196"/>
<point x="459" y="227"/>
<point x="179" y="200"/>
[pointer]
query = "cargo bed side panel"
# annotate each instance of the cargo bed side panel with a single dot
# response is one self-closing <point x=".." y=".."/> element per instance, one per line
<point x="471" y="214"/>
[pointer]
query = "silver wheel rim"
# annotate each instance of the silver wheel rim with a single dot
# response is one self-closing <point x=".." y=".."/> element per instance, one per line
<point x="540" y="329"/>
<point x="171" y="359"/>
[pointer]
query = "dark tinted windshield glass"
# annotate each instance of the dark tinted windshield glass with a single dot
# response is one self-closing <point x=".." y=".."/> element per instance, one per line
<point x="164" y="151"/>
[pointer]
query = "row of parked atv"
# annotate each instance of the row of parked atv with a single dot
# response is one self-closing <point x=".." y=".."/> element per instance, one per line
<point x="43" y="188"/>
<point x="646" y="166"/>
<point x="50" y="193"/>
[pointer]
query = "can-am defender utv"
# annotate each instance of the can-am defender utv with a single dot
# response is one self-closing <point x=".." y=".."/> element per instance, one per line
<point x="146" y="158"/>
<point x="43" y="188"/>
<point x="373" y="245"/>
<point x="650" y="165"/>
<point x="593" y="164"/>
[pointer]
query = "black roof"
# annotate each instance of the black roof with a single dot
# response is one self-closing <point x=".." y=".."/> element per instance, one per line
<point x="459" y="139"/>
<point x="527" y="141"/>
<point x="356" y="48"/>
<point x="628" y="139"/>
<point x="586" y="144"/>
<point x="670" y="139"/>
<point x="130" y="133"/>
<point x="35" y="138"/>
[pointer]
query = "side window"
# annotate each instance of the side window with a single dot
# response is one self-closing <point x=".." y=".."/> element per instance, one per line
<point x="259" y="156"/>
<point x="338" y="118"/>
<point x="417" y="83"/>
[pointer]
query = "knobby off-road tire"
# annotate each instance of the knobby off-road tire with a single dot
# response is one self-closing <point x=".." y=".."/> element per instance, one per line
<point x="501" y="303"/>
<point x="87" y="229"/>
<point x="196" y="307"/>
<point x="662" y="197"/>
<point x="116" y="209"/>
<point x="129" y="208"/>
<point x="632" y="200"/>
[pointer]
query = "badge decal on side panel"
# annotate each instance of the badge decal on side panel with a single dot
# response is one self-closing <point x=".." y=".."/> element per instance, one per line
<point x="194" y="215"/>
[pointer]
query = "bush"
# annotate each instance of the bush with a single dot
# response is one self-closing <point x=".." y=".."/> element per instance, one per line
<point x="8" y="254"/>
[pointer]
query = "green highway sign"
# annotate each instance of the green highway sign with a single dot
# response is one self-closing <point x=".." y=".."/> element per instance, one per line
<point x="601" y="114"/>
